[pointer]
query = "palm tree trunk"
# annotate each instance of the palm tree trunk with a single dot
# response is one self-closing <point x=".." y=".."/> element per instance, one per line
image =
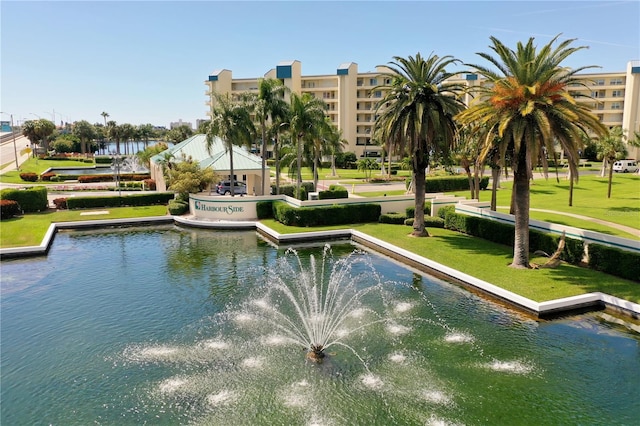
<point x="299" y="164"/>
<point x="264" y="157"/>
<point x="277" y="155"/>
<point x="495" y="178"/>
<point x="570" y="188"/>
<point x="467" y="169"/>
<point x="419" y="178"/>
<point x="610" y="178"/>
<point x="232" y="181"/>
<point x="521" y="200"/>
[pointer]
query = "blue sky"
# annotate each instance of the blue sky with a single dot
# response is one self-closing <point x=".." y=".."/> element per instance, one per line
<point x="146" y="61"/>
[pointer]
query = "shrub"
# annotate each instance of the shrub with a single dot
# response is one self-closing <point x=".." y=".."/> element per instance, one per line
<point x="442" y="211"/>
<point x="334" y="192"/>
<point x="325" y="215"/>
<point x="9" y="209"/>
<point x="411" y="211"/>
<point x="144" y="199"/>
<point x="177" y="207"/>
<point x="60" y="203"/>
<point x="150" y="184"/>
<point x="47" y="176"/>
<point x="392" y="218"/>
<point x="429" y="222"/>
<point x="264" y="209"/>
<point x="29" y="177"/>
<point x="31" y="200"/>
<point x="614" y="261"/>
<point x="103" y="159"/>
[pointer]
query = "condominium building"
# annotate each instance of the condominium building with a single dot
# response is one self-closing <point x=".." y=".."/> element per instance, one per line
<point x="351" y="98"/>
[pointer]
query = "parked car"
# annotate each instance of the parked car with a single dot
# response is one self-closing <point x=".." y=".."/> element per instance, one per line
<point x="224" y="188"/>
<point x="625" y="166"/>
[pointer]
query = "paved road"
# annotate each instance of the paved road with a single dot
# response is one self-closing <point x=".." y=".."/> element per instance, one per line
<point x="7" y="153"/>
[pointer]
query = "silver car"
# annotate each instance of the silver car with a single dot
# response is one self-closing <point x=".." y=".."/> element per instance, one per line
<point x="224" y="188"/>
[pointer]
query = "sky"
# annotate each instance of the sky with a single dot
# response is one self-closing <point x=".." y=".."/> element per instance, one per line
<point x="146" y="61"/>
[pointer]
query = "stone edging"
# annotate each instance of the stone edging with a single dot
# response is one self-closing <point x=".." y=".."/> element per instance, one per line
<point x="590" y="301"/>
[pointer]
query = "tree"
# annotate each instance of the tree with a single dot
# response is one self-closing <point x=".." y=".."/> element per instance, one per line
<point x="104" y="115"/>
<point x="178" y="134"/>
<point x="366" y="165"/>
<point x="527" y="101"/>
<point x="85" y="132"/>
<point x="38" y="132"/>
<point x="417" y="110"/>
<point x="305" y="120"/>
<point x="186" y="177"/>
<point x="231" y="122"/>
<point x="268" y="105"/>
<point x="611" y="147"/>
<point x="146" y="132"/>
<point x="144" y="156"/>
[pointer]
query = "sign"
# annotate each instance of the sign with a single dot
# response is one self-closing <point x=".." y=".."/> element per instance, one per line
<point x="223" y="207"/>
<point x="6" y="126"/>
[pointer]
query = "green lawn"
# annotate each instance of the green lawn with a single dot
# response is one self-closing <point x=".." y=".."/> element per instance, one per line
<point x="13" y="234"/>
<point x="589" y="199"/>
<point x="34" y="165"/>
<point x="488" y="261"/>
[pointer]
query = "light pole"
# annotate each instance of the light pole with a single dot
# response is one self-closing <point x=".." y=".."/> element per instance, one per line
<point x="13" y="133"/>
<point x="116" y="168"/>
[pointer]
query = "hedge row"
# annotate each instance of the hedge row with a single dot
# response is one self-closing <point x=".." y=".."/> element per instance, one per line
<point x="9" y="209"/>
<point x="503" y="233"/>
<point x="451" y="183"/>
<point x="144" y="199"/>
<point x="614" y="261"/>
<point x="33" y="199"/>
<point x="429" y="222"/>
<point x="177" y="207"/>
<point x="334" y="192"/>
<point x="110" y="178"/>
<point x="411" y="211"/>
<point x="325" y="215"/>
<point x="290" y="190"/>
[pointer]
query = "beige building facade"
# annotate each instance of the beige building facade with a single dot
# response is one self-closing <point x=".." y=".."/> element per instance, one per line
<point x="351" y="98"/>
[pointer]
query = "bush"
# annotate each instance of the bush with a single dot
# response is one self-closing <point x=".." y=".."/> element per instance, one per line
<point x="9" y="209"/>
<point x="325" y="215"/>
<point x="177" y="207"/>
<point x="29" y="177"/>
<point x="60" y="203"/>
<point x="144" y="199"/>
<point x="411" y="211"/>
<point x="392" y="218"/>
<point x="103" y="159"/>
<point x="31" y="200"/>
<point x="334" y="192"/>
<point x="442" y="211"/>
<point x="264" y="209"/>
<point x="429" y="222"/>
<point x="150" y="184"/>
<point x="614" y="261"/>
<point x="47" y="176"/>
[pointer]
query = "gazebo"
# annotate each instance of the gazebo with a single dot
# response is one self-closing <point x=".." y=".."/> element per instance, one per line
<point x="247" y="167"/>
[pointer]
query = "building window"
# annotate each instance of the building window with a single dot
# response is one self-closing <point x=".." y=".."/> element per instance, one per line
<point x="373" y="82"/>
<point x="618" y="94"/>
<point x="616" y="82"/>
<point x="615" y="105"/>
<point x="360" y="82"/>
<point x="377" y="94"/>
<point x="599" y="82"/>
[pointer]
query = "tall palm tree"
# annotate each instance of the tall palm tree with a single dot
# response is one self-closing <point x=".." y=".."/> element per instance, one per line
<point x="417" y="110"/>
<point x="268" y="105"/>
<point x="305" y="122"/>
<point x="231" y="122"/>
<point x="528" y="102"/>
<point x="86" y="132"/>
<point x="104" y="115"/>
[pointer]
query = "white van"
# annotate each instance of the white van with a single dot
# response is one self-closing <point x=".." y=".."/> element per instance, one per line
<point x="625" y="166"/>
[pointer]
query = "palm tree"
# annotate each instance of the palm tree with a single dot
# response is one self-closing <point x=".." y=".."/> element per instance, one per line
<point x="113" y="132"/>
<point x="231" y="122"/>
<point x="268" y="105"/>
<point x="529" y="104"/>
<point x="417" y="110"/>
<point x="611" y="147"/>
<point x="305" y="120"/>
<point x="86" y="132"/>
<point x="104" y="115"/>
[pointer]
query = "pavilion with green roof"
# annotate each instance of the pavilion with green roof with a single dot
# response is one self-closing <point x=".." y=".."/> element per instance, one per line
<point x="247" y="167"/>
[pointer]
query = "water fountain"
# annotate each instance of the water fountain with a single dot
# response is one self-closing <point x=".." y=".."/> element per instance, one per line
<point x="203" y="327"/>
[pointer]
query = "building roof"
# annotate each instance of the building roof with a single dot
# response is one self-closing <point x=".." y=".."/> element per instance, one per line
<point x="216" y="158"/>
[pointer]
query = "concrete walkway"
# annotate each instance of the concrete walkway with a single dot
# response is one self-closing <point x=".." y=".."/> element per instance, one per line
<point x="633" y="231"/>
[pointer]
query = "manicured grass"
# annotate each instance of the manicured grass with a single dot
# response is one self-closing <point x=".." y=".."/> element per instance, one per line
<point x="29" y="229"/>
<point x="488" y="261"/>
<point x="33" y="165"/>
<point x="342" y="174"/>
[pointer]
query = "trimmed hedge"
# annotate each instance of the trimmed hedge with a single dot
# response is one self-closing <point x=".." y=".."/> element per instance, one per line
<point x="33" y="199"/>
<point x="325" y="215"/>
<point x="411" y="211"/>
<point x="614" y="261"/>
<point x="177" y="207"/>
<point x="9" y="209"/>
<point x="429" y="222"/>
<point x="110" y="178"/>
<point x="29" y="177"/>
<point x="290" y="190"/>
<point x="334" y="192"/>
<point x="144" y="199"/>
<point x="103" y="159"/>
<point x="392" y="218"/>
<point x="503" y="233"/>
<point x="264" y="209"/>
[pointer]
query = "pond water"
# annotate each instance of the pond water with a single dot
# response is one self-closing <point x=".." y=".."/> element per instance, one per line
<point x="162" y="325"/>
